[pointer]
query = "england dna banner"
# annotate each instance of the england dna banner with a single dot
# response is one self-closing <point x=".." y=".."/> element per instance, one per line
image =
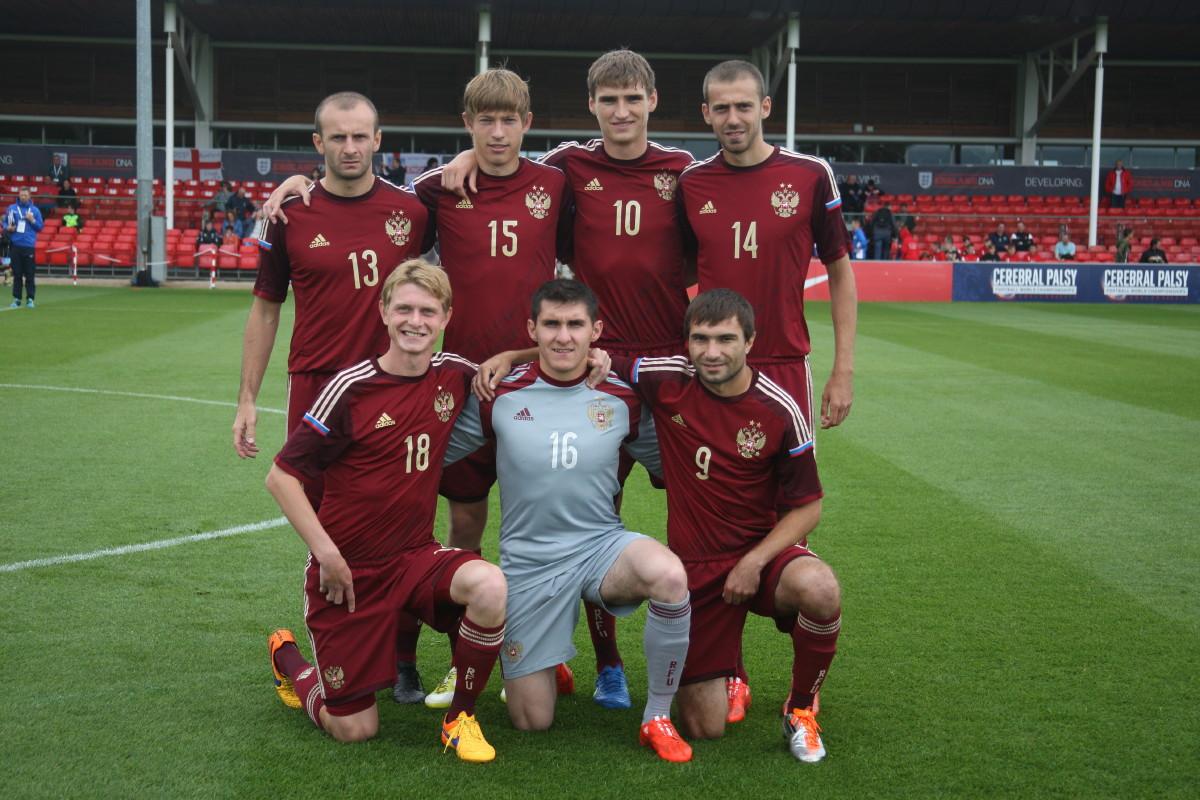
<point x="1076" y="283"/>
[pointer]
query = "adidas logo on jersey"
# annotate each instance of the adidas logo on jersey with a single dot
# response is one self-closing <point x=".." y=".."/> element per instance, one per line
<point x="523" y="415"/>
<point x="464" y="203"/>
<point x="678" y="420"/>
<point x="318" y="241"/>
<point x="593" y="186"/>
<point x="384" y="421"/>
<point x="708" y="208"/>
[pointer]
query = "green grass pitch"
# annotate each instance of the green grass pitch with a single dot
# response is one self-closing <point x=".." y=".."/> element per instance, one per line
<point x="1011" y="508"/>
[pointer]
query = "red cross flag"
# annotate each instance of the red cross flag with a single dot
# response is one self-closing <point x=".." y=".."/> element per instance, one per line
<point x="197" y="165"/>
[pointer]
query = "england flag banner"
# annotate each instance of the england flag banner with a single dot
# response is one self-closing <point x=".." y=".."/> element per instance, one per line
<point x="192" y="164"/>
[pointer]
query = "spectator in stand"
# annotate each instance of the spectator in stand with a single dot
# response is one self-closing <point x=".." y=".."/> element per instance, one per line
<point x="902" y="219"/>
<point x="908" y="232"/>
<point x="873" y="192"/>
<point x="989" y="251"/>
<point x="59" y="171"/>
<point x="23" y="220"/>
<point x="968" y="252"/>
<point x="1117" y="185"/>
<point x="1152" y="254"/>
<point x="1064" y="248"/>
<point x="67" y="196"/>
<point x="949" y="252"/>
<point x="222" y="197"/>
<point x="999" y="238"/>
<point x="315" y="175"/>
<point x="208" y="236"/>
<point x="858" y="240"/>
<point x="232" y="229"/>
<point x="73" y="219"/>
<point x="1022" y="239"/>
<point x="854" y="197"/>
<point x="883" y="229"/>
<point x="1012" y="254"/>
<point x="1124" y="242"/>
<point x="240" y="204"/>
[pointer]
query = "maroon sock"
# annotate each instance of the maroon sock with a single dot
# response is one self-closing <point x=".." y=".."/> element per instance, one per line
<point x="814" y="643"/>
<point x="474" y="655"/>
<point x="603" y="628"/>
<point x="304" y="677"/>
<point x="406" y="638"/>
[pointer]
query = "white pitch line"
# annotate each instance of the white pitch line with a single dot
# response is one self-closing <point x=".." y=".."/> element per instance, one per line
<point x="141" y="548"/>
<point x="78" y="390"/>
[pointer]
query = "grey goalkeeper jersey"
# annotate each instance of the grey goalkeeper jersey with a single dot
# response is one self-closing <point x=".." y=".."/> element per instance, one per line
<point x="557" y="454"/>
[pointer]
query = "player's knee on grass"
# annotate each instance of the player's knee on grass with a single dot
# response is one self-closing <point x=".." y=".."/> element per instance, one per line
<point x="702" y="709"/>
<point x="467" y="521"/>
<point x="356" y="727"/>
<point x="808" y="586"/>
<point x="531" y="700"/>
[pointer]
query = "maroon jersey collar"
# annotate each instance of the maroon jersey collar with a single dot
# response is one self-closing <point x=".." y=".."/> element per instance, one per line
<point x="769" y="159"/>
<point x="321" y="191"/>
<point x="521" y="168"/>
<point x="397" y="378"/>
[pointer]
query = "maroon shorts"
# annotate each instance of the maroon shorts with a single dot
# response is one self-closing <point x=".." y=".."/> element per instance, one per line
<point x="716" y="636"/>
<point x="302" y="391"/>
<point x="470" y="479"/>
<point x="625" y="461"/>
<point x="795" y="378"/>
<point x="355" y="654"/>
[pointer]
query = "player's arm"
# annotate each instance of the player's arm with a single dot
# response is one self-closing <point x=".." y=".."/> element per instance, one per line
<point x="272" y="209"/>
<point x="461" y="173"/>
<point x="257" y="342"/>
<point x="468" y="434"/>
<point x="496" y="368"/>
<point x="337" y="584"/>
<point x="644" y="447"/>
<point x="839" y="389"/>
<point x="792" y="528"/>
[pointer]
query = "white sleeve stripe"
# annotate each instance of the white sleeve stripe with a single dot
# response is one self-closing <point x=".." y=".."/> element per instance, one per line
<point x="774" y="391"/>
<point x="664" y="360"/>
<point x="424" y="175"/>
<point x="438" y="358"/>
<point x="334" y="390"/>
<point x="695" y="164"/>
<point x="822" y="163"/>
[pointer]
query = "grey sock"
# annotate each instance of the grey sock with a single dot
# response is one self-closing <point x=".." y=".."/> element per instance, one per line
<point x="665" y="641"/>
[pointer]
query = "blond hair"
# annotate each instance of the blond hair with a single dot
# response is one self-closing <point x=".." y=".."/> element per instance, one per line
<point x="497" y="89"/>
<point x="421" y="273"/>
<point x="621" y="69"/>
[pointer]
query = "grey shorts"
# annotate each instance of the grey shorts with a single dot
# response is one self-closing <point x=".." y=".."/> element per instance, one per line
<point x="542" y="615"/>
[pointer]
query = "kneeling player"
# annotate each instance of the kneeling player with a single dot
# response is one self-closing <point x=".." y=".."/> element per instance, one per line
<point x="378" y="432"/>
<point x="742" y="493"/>
<point x="558" y="447"/>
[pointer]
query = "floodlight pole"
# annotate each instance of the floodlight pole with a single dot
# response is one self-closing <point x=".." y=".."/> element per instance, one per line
<point x="1101" y="47"/>
<point x="169" y="149"/>
<point x="145" y="140"/>
<point x="793" y="43"/>
<point x="485" y="37"/>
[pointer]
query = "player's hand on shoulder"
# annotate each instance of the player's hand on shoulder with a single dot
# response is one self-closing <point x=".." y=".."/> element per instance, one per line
<point x="461" y="173"/>
<point x="272" y="209"/>
<point x="490" y="373"/>
<point x="599" y="365"/>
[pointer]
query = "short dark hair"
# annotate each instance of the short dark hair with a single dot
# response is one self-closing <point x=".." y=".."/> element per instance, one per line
<point x="565" y="291"/>
<point x="344" y="101"/>
<point x="717" y="305"/>
<point x="1154" y="242"/>
<point x="730" y="71"/>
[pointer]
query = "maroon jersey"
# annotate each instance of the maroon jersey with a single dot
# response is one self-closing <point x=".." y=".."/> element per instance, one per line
<point x="731" y="464"/>
<point x="754" y="229"/>
<point x="498" y="246"/>
<point x="336" y="253"/>
<point x="627" y="247"/>
<point x="379" y="440"/>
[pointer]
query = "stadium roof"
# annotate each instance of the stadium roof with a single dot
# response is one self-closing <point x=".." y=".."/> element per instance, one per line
<point x="1138" y="29"/>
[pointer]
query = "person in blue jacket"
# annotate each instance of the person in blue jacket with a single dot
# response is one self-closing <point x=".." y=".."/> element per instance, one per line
<point x="22" y="220"/>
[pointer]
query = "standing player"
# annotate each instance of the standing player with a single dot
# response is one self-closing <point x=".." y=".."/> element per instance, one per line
<point x="557" y="445"/>
<point x="754" y="213"/>
<point x="626" y="248"/>
<point x="378" y="432"/>
<point x="333" y="253"/>
<point x="742" y="497"/>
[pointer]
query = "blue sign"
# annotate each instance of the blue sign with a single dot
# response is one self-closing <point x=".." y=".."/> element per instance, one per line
<point x="1076" y="283"/>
